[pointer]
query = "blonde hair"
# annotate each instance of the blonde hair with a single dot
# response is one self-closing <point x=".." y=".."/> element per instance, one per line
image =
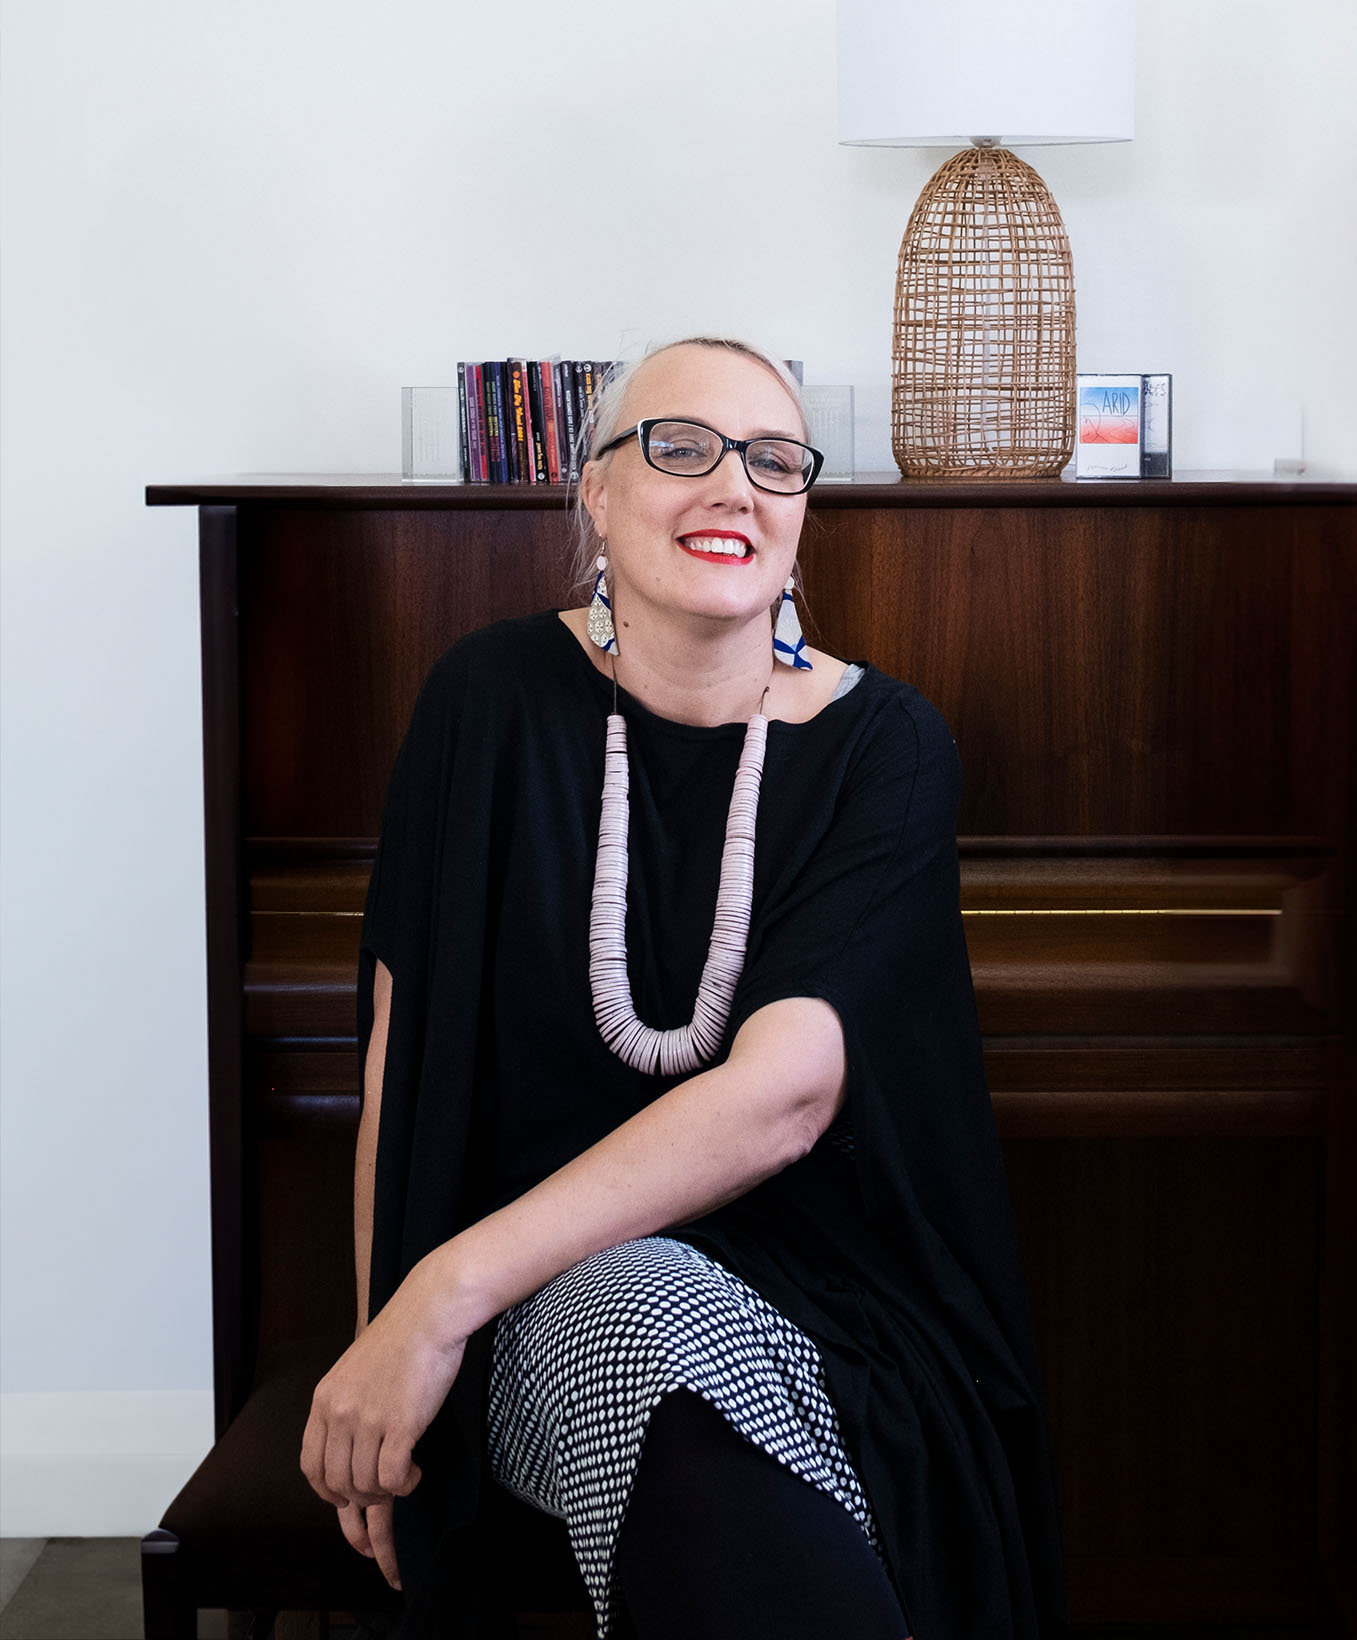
<point x="607" y="421"/>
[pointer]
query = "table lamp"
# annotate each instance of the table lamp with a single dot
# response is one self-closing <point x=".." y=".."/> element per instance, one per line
<point x="983" y="357"/>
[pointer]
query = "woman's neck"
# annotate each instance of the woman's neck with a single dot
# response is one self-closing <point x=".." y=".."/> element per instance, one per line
<point x="701" y="672"/>
<point x="708" y="679"/>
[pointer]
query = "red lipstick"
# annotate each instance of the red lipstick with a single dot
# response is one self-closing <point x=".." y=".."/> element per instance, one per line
<point x="747" y="557"/>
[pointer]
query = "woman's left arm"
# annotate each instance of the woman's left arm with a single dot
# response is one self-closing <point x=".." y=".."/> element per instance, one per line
<point x="702" y="1144"/>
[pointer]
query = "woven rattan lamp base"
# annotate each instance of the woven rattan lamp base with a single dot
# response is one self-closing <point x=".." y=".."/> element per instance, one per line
<point x="983" y="377"/>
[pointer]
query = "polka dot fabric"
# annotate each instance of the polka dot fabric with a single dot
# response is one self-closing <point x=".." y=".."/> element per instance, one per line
<point x="579" y="1367"/>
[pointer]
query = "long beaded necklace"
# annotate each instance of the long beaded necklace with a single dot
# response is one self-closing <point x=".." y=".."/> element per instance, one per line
<point x="683" y="1049"/>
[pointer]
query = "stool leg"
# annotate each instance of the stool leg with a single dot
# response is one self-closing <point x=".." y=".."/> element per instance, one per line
<point x="168" y="1611"/>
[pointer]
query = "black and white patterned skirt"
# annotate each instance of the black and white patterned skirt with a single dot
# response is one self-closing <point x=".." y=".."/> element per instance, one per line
<point x="580" y="1366"/>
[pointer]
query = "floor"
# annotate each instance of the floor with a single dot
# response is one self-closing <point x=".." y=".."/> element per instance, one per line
<point x="90" y="1589"/>
<point x="77" y="1589"/>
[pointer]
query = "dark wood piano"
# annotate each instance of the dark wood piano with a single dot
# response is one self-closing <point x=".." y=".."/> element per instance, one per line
<point x="1154" y="690"/>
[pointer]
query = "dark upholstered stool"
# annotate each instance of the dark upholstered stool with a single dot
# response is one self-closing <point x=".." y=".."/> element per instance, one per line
<point x="248" y="1533"/>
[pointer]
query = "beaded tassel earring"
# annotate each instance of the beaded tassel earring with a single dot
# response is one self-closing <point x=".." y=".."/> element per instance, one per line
<point x="600" y="619"/>
<point x="788" y="640"/>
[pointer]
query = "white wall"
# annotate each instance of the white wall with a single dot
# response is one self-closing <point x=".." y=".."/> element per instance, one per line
<point x="230" y="234"/>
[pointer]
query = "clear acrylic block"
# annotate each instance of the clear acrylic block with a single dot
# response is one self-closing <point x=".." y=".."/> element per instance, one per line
<point x="430" y="433"/>
<point x="830" y="413"/>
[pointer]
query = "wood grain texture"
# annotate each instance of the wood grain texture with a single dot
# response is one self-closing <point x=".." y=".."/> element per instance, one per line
<point x="1135" y="671"/>
<point x="1162" y="673"/>
<point x="233" y="1328"/>
<point x="1189" y="1371"/>
<point x="342" y="615"/>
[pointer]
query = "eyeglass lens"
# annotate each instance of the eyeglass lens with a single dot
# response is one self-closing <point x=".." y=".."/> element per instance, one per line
<point x="684" y="448"/>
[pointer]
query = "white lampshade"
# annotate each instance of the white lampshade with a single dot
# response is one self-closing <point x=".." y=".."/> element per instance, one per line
<point x="933" y="74"/>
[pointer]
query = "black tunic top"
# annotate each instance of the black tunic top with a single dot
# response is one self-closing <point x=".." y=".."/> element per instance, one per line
<point x="899" y="1263"/>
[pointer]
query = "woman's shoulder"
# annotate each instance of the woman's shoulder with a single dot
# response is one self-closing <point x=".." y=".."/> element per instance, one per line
<point x="512" y="641"/>
<point x="900" y="718"/>
<point x="496" y="654"/>
<point x="479" y="678"/>
<point x="901" y="759"/>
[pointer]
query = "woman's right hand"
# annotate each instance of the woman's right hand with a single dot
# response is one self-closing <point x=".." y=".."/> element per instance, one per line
<point x="373" y="1405"/>
<point x="370" y="1531"/>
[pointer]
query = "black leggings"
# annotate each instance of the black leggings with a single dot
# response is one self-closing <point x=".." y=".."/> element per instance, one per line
<point x="721" y="1542"/>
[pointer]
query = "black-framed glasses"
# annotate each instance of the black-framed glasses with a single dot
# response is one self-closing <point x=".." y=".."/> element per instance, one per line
<point x="687" y="449"/>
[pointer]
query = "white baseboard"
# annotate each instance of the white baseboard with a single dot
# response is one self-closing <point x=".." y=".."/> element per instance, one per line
<point x="99" y="1463"/>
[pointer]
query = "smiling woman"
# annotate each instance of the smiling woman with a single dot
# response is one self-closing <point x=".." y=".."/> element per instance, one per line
<point x="678" y="1205"/>
<point x="687" y="412"/>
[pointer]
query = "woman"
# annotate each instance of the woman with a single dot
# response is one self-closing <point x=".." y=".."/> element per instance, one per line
<point x="728" y="1284"/>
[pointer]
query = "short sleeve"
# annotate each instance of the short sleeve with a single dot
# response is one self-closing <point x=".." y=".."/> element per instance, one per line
<point x="411" y="906"/>
<point x="402" y="896"/>
<point x="401" y="890"/>
<point x="859" y="925"/>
